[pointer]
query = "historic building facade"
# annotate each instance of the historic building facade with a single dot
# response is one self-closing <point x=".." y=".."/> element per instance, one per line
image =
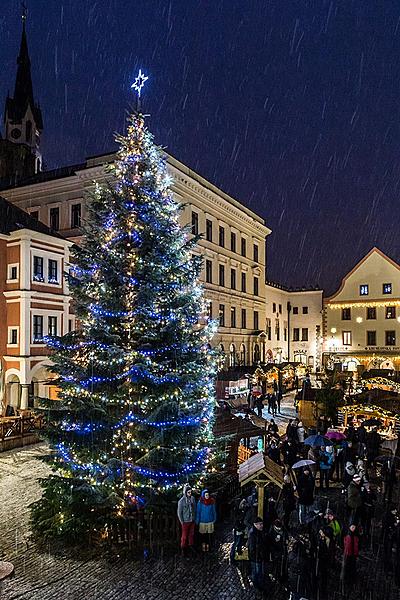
<point x="232" y="244"/>
<point x="362" y="319"/>
<point x="293" y="331"/>
<point x="34" y="303"/>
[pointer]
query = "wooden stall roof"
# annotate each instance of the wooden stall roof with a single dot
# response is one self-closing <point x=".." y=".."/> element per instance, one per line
<point x="368" y="409"/>
<point x="228" y="424"/>
<point x="260" y="465"/>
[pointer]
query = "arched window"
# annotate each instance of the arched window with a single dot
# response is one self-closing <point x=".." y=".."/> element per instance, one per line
<point x="256" y="354"/>
<point x="242" y="354"/>
<point x="28" y="131"/>
<point x="232" y="355"/>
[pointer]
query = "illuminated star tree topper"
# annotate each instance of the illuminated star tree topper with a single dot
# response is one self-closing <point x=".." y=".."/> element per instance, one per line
<point x="139" y="82"/>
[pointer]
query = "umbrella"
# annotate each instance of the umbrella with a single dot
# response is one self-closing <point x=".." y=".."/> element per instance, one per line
<point x="317" y="440"/>
<point x="371" y="422"/>
<point x="388" y="457"/>
<point x="335" y="436"/>
<point x="303" y="463"/>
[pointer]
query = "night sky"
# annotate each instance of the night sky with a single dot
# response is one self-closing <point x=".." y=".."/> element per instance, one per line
<point x="290" y="106"/>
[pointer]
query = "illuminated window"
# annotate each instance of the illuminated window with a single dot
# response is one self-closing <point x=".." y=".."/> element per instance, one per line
<point x="346" y="338"/>
<point x="364" y="289"/>
<point x="390" y="312"/>
<point x="387" y="288"/>
<point x="233" y="317"/>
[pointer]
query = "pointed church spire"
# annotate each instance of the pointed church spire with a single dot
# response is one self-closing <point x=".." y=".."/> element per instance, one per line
<point x="23" y="91"/>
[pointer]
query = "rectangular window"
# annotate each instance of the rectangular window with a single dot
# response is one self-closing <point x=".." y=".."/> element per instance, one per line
<point x="390" y="312"/>
<point x="222" y="315"/>
<point x="305" y="310"/>
<point x="55" y="218"/>
<point x="346" y="314"/>
<point x="53" y="271"/>
<point x="210" y="310"/>
<point x="304" y="334"/>
<point x="364" y="289"/>
<point x="243" y="282"/>
<point x="296" y="334"/>
<point x="35" y="215"/>
<point x="38" y="268"/>
<point x="268" y="329"/>
<point x="243" y="247"/>
<point x="371" y="338"/>
<point x="52" y="326"/>
<point x="387" y="288"/>
<point x="390" y="338"/>
<point x="233" y="242"/>
<point x="371" y="312"/>
<point x="256" y="320"/>
<point x="280" y="309"/>
<point x="285" y="334"/>
<point x="346" y="338"/>
<point x="274" y="307"/>
<point x="75" y="216"/>
<point x="255" y="286"/>
<point x="70" y="322"/>
<point x="13" y="339"/>
<point x="13" y="272"/>
<point x="255" y="252"/>
<point x="277" y="330"/>
<point x="233" y="279"/>
<point x="295" y="310"/>
<point x="233" y="317"/>
<point x="37" y="329"/>
<point x="208" y="271"/>
<point x="221" y="275"/>
<point x="195" y="223"/>
<point x="221" y="236"/>
<point x="209" y="232"/>
<point x="243" y="319"/>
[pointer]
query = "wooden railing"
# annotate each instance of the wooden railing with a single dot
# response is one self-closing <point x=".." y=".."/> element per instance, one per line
<point x="19" y="427"/>
<point x="244" y="453"/>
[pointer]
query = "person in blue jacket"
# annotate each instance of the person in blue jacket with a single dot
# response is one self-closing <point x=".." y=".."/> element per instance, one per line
<point x="206" y="516"/>
<point x="325" y="466"/>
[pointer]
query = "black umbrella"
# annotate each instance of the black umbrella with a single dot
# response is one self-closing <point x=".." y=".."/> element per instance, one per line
<point x="372" y="422"/>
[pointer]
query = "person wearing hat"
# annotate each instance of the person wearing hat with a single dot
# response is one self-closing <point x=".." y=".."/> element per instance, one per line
<point x="305" y="489"/>
<point x="205" y="518"/>
<point x="278" y="552"/>
<point x="354" y="499"/>
<point x="257" y="545"/>
<point x="186" y="515"/>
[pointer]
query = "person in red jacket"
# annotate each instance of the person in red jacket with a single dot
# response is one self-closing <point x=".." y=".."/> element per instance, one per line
<point x="350" y="555"/>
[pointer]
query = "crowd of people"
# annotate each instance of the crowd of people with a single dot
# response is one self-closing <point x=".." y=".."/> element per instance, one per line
<point x="304" y="526"/>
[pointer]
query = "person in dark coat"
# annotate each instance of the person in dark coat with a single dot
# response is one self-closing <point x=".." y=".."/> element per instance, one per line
<point x="274" y="405"/>
<point x="373" y="442"/>
<point x="257" y="545"/>
<point x="390" y="523"/>
<point x="272" y="428"/>
<point x="322" y="560"/>
<point x="354" y="499"/>
<point x="367" y="510"/>
<point x="288" y="500"/>
<point x="274" y="453"/>
<point x="278" y="551"/>
<point x="239" y="530"/>
<point x="259" y="405"/>
<point x="350" y="453"/>
<point x="305" y="489"/>
<point x="289" y="453"/>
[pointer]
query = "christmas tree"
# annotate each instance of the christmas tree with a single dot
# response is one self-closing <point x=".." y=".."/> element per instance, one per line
<point x="137" y="376"/>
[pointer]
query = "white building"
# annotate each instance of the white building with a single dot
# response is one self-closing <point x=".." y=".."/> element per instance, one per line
<point x="293" y="325"/>
<point x="362" y="319"/>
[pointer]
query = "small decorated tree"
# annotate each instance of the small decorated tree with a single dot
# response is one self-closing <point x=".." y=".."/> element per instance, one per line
<point x="137" y="377"/>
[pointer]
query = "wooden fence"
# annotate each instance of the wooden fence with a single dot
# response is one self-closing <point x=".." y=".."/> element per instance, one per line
<point x="19" y="431"/>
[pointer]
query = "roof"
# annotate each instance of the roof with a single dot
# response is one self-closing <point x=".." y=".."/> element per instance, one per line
<point x="42" y="176"/>
<point x="227" y="424"/>
<point x="13" y="218"/>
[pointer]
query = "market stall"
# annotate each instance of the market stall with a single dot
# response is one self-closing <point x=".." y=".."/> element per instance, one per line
<point x="386" y="422"/>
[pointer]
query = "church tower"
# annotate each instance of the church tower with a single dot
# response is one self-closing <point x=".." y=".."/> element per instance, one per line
<point x="20" y="155"/>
